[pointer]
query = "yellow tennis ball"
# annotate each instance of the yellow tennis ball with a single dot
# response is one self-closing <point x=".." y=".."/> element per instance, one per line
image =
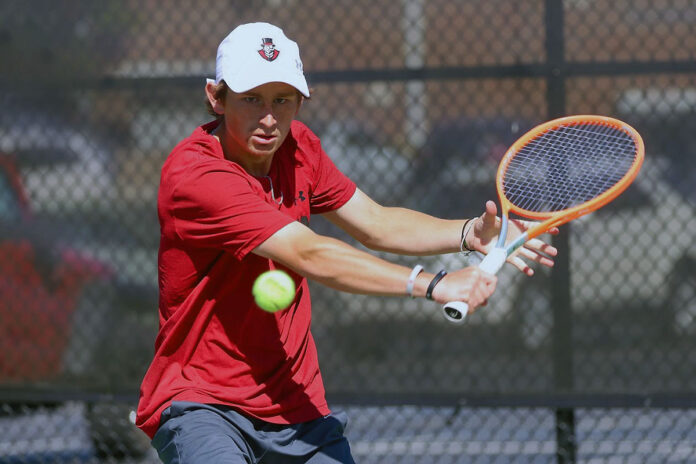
<point x="273" y="290"/>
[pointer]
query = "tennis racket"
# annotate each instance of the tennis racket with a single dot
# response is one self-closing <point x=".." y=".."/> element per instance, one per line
<point x="557" y="172"/>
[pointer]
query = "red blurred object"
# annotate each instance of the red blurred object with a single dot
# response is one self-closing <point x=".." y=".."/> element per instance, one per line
<point x="40" y="286"/>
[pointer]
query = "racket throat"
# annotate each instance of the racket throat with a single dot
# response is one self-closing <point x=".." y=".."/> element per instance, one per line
<point x="515" y="244"/>
<point x="503" y="232"/>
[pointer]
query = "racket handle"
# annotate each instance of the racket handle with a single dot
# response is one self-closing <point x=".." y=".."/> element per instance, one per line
<point x="456" y="311"/>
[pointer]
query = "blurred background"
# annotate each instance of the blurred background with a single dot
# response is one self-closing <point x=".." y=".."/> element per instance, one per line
<point x="416" y="100"/>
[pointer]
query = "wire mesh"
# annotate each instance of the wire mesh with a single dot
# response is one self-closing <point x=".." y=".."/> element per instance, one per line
<point x="416" y="101"/>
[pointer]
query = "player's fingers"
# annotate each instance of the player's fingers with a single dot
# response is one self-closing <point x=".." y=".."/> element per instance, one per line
<point x="486" y="278"/>
<point x="486" y="286"/>
<point x="521" y="265"/>
<point x="536" y="256"/>
<point x="539" y="246"/>
<point x="480" y="297"/>
<point x="490" y="215"/>
<point x="491" y="208"/>
<point x="529" y="224"/>
<point x="481" y="289"/>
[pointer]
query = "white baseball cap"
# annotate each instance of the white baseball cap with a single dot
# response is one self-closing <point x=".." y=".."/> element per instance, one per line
<point x="258" y="53"/>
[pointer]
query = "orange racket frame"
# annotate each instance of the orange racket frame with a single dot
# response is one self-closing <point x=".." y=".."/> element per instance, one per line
<point x="456" y="311"/>
<point x="558" y="218"/>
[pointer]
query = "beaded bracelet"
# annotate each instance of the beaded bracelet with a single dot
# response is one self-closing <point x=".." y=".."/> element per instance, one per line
<point x="463" y="246"/>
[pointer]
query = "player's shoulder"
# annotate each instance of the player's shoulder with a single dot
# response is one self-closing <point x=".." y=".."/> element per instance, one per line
<point x="194" y="156"/>
<point x="200" y="143"/>
<point x="200" y="147"/>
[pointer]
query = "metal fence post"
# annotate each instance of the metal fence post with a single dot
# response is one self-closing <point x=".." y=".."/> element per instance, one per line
<point x="560" y="295"/>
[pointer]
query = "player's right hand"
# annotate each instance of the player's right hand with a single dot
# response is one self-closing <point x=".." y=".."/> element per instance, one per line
<point x="470" y="285"/>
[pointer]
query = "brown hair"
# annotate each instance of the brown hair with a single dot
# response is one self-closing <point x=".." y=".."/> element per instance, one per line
<point x="219" y="93"/>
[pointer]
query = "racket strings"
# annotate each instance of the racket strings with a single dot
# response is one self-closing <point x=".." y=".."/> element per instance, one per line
<point x="567" y="166"/>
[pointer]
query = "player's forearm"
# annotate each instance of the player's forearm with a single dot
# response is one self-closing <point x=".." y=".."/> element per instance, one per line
<point x="409" y="232"/>
<point x="339" y="265"/>
<point x="396" y="230"/>
<point x="343" y="267"/>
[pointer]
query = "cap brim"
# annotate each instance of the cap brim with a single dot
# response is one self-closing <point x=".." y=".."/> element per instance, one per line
<point x="244" y="85"/>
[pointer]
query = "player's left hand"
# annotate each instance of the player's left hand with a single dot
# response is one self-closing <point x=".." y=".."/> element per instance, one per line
<point x="484" y="234"/>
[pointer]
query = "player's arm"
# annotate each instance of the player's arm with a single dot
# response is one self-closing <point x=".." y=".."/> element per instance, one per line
<point x="404" y="231"/>
<point x="338" y="265"/>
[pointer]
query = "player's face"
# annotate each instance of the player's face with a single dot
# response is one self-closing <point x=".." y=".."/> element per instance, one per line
<point x="257" y="121"/>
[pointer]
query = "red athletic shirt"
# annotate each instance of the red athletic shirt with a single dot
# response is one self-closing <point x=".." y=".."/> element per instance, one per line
<point x="214" y="344"/>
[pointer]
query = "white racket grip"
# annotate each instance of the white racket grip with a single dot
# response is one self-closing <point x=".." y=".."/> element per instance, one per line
<point x="494" y="260"/>
<point x="456" y="311"/>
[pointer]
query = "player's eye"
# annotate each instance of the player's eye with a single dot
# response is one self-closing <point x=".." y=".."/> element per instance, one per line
<point x="250" y="99"/>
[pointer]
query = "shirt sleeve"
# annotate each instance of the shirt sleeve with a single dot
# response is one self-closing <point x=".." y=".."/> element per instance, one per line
<point x="216" y="207"/>
<point x="332" y="188"/>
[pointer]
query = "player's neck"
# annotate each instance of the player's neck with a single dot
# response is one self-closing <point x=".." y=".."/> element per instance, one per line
<point x="254" y="165"/>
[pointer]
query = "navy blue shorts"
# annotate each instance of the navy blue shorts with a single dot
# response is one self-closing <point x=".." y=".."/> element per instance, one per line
<point x="192" y="433"/>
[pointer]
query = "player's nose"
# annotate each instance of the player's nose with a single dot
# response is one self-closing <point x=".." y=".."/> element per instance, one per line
<point x="268" y="120"/>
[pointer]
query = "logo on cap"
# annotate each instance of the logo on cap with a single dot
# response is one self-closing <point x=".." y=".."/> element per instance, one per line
<point x="268" y="49"/>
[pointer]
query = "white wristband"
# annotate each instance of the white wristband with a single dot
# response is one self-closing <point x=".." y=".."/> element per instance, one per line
<point x="412" y="279"/>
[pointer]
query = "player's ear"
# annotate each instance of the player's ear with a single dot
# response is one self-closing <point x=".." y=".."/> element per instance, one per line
<point x="300" y="99"/>
<point x="215" y="97"/>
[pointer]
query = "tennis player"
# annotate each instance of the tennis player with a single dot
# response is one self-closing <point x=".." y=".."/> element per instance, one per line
<point x="232" y="383"/>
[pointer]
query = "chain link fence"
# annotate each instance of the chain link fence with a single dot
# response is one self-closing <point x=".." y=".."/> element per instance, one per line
<point x="416" y="100"/>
